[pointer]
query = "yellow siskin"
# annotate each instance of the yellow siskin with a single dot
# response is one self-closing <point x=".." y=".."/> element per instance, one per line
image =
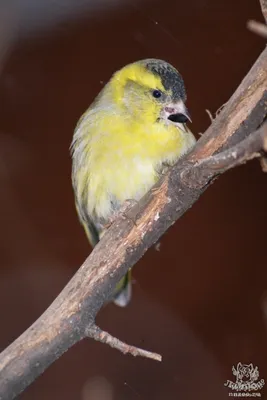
<point x="135" y="127"/>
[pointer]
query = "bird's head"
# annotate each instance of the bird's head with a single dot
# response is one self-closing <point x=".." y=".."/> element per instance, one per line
<point x="151" y="91"/>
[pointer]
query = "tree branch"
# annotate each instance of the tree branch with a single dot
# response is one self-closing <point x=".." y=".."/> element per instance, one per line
<point x="98" y="334"/>
<point x="246" y="150"/>
<point x="258" y="28"/>
<point x="70" y="318"/>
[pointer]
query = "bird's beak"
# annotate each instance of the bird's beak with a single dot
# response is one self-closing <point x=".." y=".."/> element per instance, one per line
<point x="176" y="113"/>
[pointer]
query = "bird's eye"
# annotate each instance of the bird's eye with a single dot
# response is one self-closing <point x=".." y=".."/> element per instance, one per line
<point x="157" y="93"/>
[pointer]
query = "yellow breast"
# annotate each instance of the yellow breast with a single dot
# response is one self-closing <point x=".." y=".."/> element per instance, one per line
<point x="122" y="159"/>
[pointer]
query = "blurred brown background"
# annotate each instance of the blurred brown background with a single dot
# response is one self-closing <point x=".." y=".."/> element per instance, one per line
<point x="200" y="301"/>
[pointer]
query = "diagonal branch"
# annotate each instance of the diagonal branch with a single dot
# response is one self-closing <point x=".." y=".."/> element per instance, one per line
<point x="71" y="316"/>
<point x="246" y="150"/>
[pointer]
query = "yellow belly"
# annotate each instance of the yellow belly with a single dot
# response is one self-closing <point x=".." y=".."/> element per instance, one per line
<point x="123" y="161"/>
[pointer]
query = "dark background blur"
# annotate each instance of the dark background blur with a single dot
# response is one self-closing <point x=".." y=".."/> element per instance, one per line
<point x="200" y="301"/>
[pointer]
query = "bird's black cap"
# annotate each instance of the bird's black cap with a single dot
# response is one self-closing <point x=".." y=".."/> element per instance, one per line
<point x="170" y="77"/>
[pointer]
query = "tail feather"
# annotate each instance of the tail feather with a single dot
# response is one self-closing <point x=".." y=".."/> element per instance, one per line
<point x="123" y="291"/>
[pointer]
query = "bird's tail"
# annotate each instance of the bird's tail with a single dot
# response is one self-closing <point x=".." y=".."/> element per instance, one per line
<point x="123" y="291"/>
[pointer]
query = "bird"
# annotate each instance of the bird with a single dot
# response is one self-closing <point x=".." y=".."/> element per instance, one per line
<point x="134" y="129"/>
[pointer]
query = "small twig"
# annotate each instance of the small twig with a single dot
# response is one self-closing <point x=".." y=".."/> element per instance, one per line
<point x="210" y="115"/>
<point x="98" y="334"/>
<point x="157" y="246"/>
<point x="258" y="28"/>
<point x="220" y="110"/>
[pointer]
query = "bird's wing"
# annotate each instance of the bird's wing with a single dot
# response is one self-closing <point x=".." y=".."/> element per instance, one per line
<point x="91" y="230"/>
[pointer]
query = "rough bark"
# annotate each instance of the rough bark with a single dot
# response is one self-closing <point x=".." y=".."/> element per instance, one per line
<point x="71" y="317"/>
